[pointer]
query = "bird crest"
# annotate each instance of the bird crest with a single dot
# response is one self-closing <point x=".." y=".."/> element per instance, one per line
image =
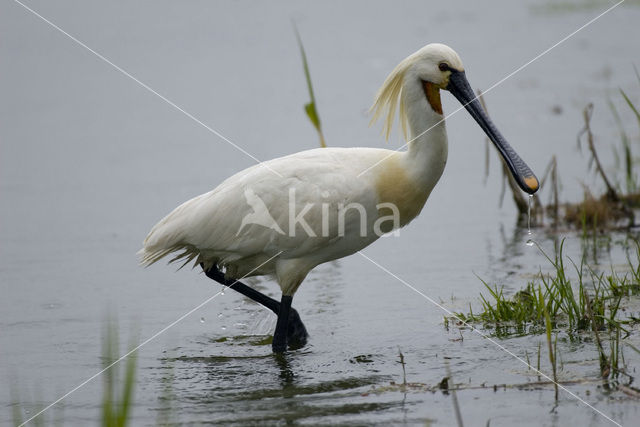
<point x="389" y="96"/>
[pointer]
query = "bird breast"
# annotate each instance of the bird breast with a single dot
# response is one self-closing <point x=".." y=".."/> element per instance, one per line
<point x="396" y="186"/>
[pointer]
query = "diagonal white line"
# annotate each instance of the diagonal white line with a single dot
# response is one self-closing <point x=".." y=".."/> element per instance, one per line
<point x="499" y="82"/>
<point x="491" y="340"/>
<point x="147" y="87"/>
<point x="151" y="338"/>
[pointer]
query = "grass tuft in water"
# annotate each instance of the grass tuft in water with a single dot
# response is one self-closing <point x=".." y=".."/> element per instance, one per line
<point x="551" y="347"/>
<point x="588" y="303"/>
<point x="566" y="302"/>
<point x="616" y="204"/>
<point x="404" y="371"/>
<point x="116" y="405"/>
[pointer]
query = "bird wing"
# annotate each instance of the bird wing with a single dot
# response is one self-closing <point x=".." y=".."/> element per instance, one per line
<point x="309" y="186"/>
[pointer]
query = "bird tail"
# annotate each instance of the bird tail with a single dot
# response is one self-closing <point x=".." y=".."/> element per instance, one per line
<point x="168" y="236"/>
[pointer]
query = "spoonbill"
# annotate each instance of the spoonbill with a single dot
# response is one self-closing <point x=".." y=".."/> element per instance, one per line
<point x="284" y="217"/>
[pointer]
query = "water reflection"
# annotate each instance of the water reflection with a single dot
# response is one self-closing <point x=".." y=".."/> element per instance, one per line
<point x="327" y="278"/>
<point x="286" y="373"/>
<point x="238" y="379"/>
<point x="241" y="389"/>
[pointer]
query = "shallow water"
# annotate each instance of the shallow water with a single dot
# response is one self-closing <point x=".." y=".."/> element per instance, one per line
<point x="89" y="161"/>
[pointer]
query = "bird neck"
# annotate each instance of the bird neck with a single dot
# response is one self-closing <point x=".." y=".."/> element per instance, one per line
<point x="427" y="154"/>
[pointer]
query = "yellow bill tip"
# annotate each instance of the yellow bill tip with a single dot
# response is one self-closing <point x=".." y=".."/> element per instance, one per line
<point x="532" y="183"/>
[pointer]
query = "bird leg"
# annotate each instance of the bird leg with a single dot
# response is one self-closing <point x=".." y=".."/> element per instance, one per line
<point x="279" y="344"/>
<point x="296" y="332"/>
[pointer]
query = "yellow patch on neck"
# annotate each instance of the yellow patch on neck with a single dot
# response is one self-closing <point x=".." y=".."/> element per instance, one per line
<point x="432" y="92"/>
<point x="393" y="185"/>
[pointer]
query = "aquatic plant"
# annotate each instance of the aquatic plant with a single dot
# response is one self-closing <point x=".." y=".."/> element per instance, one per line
<point x="116" y="404"/>
<point x="608" y="210"/>
<point x="310" y="107"/>
<point x="588" y="302"/>
<point x="619" y="200"/>
<point x="556" y="294"/>
<point x="551" y="347"/>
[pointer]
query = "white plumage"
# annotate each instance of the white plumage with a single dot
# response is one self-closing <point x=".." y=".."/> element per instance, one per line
<point x="210" y="229"/>
<point x="288" y="215"/>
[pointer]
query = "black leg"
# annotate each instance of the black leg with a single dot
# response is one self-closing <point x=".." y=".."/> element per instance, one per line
<point x="245" y="290"/>
<point x="280" y="335"/>
<point x="296" y="332"/>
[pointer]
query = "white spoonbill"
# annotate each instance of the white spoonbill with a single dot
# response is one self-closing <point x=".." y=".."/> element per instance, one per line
<point x="286" y="216"/>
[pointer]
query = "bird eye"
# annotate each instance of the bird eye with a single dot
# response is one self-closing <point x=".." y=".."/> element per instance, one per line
<point x="443" y="66"/>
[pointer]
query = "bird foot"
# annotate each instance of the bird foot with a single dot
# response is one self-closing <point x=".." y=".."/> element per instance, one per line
<point x="297" y="335"/>
<point x="295" y="338"/>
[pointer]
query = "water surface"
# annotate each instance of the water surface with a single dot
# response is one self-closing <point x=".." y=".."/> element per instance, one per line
<point x="89" y="161"/>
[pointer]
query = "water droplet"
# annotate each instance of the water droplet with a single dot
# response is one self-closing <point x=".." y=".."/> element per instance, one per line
<point x="220" y="316"/>
<point x="530" y="241"/>
<point x="202" y="320"/>
<point x="224" y="328"/>
<point x="51" y="306"/>
<point x="529" y="214"/>
<point x="222" y="290"/>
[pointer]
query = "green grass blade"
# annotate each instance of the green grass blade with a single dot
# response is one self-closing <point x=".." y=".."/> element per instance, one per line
<point x="116" y="404"/>
<point x="626" y="144"/>
<point x="552" y="358"/>
<point x="310" y="108"/>
<point x="127" y="393"/>
<point x="633" y="347"/>
<point x="630" y="104"/>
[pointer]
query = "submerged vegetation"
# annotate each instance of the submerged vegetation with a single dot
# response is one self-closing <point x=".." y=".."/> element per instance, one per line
<point x="116" y="403"/>
<point x="576" y="299"/>
<point x="566" y="301"/>
<point x="611" y="210"/>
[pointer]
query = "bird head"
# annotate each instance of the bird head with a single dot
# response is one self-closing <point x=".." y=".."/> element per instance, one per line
<point x="434" y="64"/>
<point x="438" y="67"/>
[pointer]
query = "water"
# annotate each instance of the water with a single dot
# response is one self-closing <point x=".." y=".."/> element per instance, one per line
<point x="530" y="241"/>
<point x="529" y="214"/>
<point x="90" y="161"/>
